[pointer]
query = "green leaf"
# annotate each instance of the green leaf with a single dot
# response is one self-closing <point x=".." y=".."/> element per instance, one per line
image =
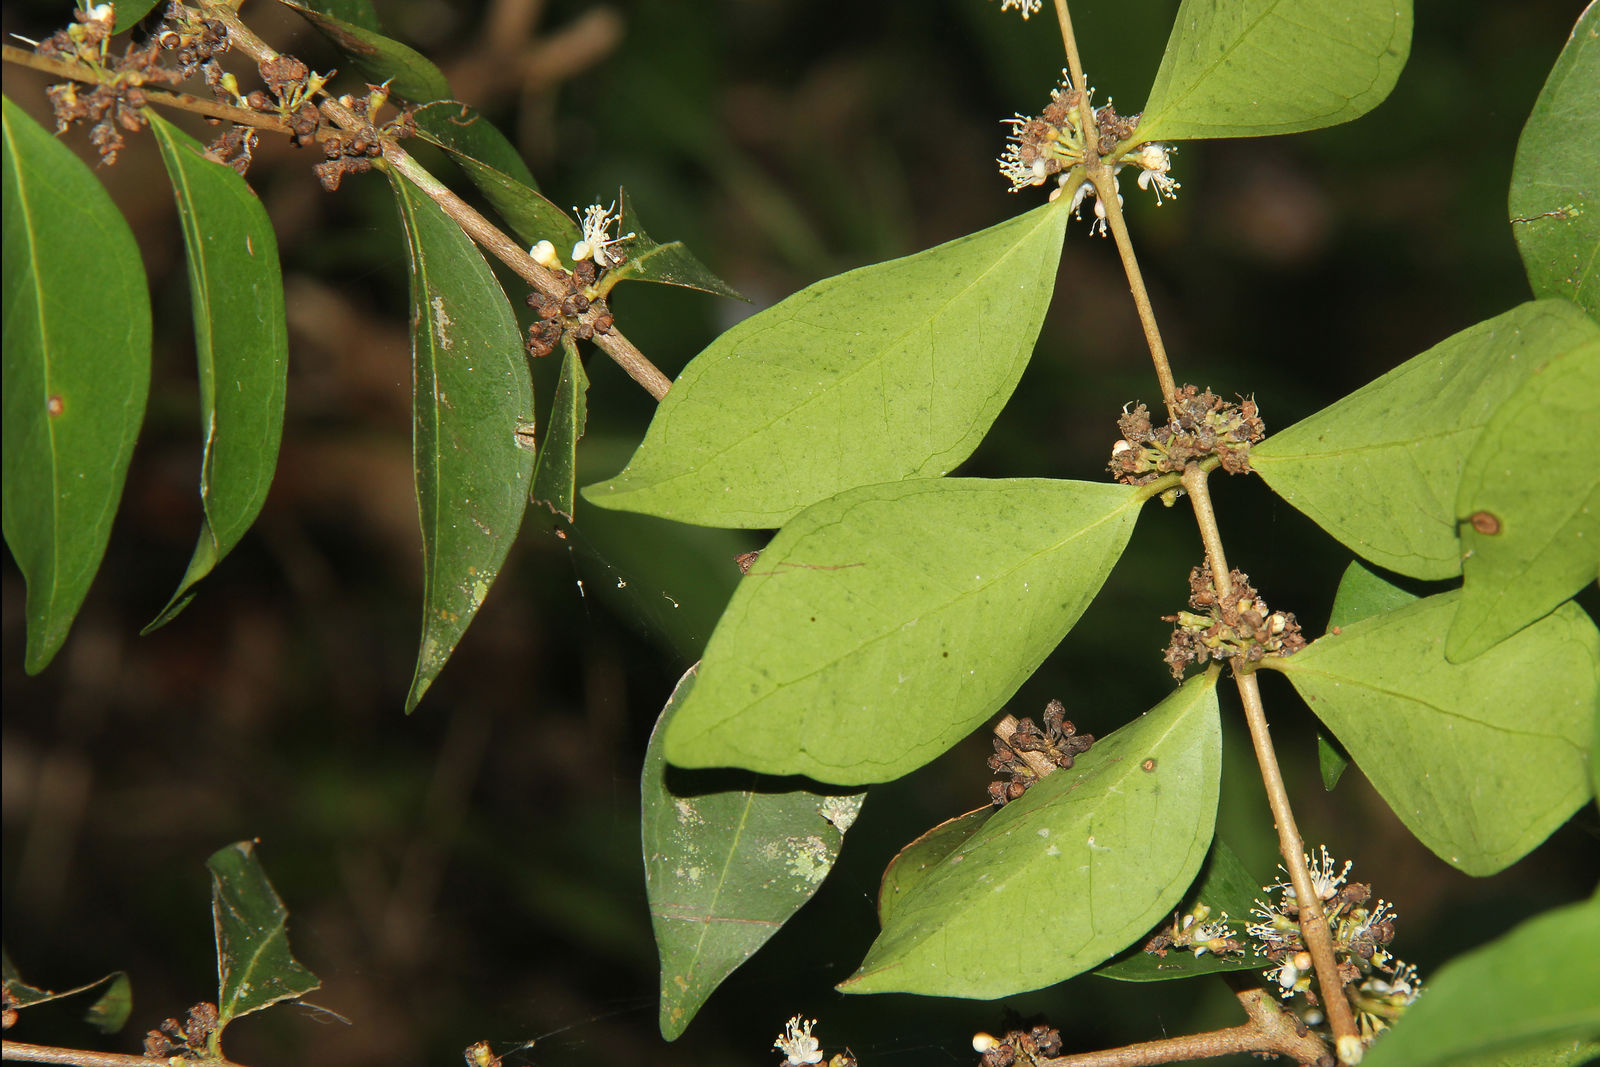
<point x="1379" y="469"/>
<point x="1250" y="68"/>
<point x="1481" y="760"/>
<point x="667" y="264"/>
<point x="472" y="403"/>
<point x="1088" y="859"/>
<point x="129" y="12"/>
<point x="255" y="968"/>
<point x="241" y="346"/>
<point x="555" y="473"/>
<point x="1564" y="1052"/>
<point x="494" y="166"/>
<point x="109" y="1012"/>
<point x="883" y="625"/>
<point x="1532" y="520"/>
<point x="1555" y="203"/>
<point x="1332" y="760"/>
<point x="379" y="59"/>
<point x="356" y="12"/>
<point x="890" y="371"/>
<point x="922" y="857"/>
<point x="1533" y="986"/>
<point x="76" y="374"/>
<point x="728" y="860"/>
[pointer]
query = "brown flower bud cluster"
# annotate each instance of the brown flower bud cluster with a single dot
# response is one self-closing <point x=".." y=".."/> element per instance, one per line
<point x="1202" y="425"/>
<point x="1018" y="1046"/>
<point x="1238" y="627"/>
<point x="186" y="1040"/>
<point x="1029" y="752"/>
<point x="577" y="311"/>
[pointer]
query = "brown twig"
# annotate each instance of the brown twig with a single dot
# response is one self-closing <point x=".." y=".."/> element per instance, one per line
<point x="1037" y="762"/>
<point x="73" y="1057"/>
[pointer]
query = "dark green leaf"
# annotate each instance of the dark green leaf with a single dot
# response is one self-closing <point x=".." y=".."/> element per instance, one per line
<point x="883" y="625"/>
<point x="130" y="12"/>
<point x="356" y="12"/>
<point x="75" y="375"/>
<point x="1554" y="204"/>
<point x="1332" y="760"/>
<point x="1532" y="986"/>
<point x="472" y="403"/>
<point x="555" y="472"/>
<point x="1088" y="859"/>
<point x="241" y="345"/>
<point x="887" y="372"/>
<point x="920" y="858"/>
<point x="380" y="59"/>
<point x="728" y="860"/>
<point x="1532" y="518"/>
<point x="1481" y="760"/>
<point x="109" y="1012"/>
<point x="255" y="968"/>
<point x="668" y="264"/>
<point x="1228" y="893"/>
<point x="1248" y="68"/>
<point x="1379" y="469"/>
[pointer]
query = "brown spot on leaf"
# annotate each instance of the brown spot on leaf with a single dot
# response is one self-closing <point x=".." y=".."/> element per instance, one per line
<point x="54" y="406"/>
<point x="1485" y="523"/>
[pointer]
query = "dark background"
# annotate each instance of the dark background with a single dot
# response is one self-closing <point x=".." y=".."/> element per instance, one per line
<point x="472" y="871"/>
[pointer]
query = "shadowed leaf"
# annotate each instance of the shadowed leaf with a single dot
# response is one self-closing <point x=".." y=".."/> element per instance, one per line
<point x="410" y="74"/>
<point x="555" y="472"/>
<point x="109" y="1012"/>
<point x="255" y="968"/>
<point x="922" y="857"/>
<point x="667" y="264"/>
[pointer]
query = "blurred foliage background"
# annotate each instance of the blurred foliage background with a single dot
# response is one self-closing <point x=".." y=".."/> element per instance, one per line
<point x="472" y="871"/>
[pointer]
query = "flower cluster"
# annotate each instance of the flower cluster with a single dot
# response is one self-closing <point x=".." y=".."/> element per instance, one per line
<point x="800" y="1048"/>
<point x="597" y="239"/>
<point x="1026" y="7"/>
<point x="1029" y="752"/>
<point x="1238" y="627"/>
<point x="1202" y="424"/>
<point x="580" y="311"/>
<point x="1051" y="144"/>
<point x="1196" y="931"/>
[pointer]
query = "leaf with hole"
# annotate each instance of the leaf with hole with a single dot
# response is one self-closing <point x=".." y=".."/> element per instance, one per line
<point x="1481" y="760"/>
<point x="1250" y="68"/>
<point x="410" y="74"/>
<point x="255" y="968"/>
<point x="883" y="625"/>
<point x="1111" y="845"/>
<point x="887" y="372"/>
<point x="241" y="346"/>
<point x="472" y="400"/>
<point x="1379" y="469"/>
<point x="1554" y="204"/>
<point x="1531" y="529"/>
<point x="729" y="858"/>
<point x="75" y="376"/>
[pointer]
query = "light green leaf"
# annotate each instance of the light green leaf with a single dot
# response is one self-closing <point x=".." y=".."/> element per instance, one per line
<point x="1555" y="182"/>
<point x="410" y="74"/>
<point x="1481" y="760"/>
<point x="1227" y="890"/>
<point x="1093" y="857"/>
<point x="667" y="264"/>
<point x="887" y="372"/>
<point x="241" y="346"/>
<point x="1564" y="1052"/>
<point x="1533" y="986"/>
<point x="883" y="625"/>
<point x="75" y="375"/>
<point x="1250" y="68"/>
<point x="472" y="402"/>
<point x="1531" y="529"/>
<point x="109" y="1012"/>
<point x="555" y="472"/>
<point x="1379" y="469"/>
<point x="255" y="968"/>
<point x="498" y="171"/>
<point x="922" y="857"/>
<point x="728" y="860"/>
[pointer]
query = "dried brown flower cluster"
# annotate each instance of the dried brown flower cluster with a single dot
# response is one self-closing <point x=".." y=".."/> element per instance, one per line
<point x="1202" y="425"/>
<point x="1057" y="745"/>
<point x="577" y="311"/>
<point x="1238" y="627"/>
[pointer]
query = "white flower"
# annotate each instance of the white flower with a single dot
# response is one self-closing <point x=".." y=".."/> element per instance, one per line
<point x="544" y="254"/>
<point x="797" y="1044"/>
<point x="1027" y="7"/>
<point x="1154" y="162"/>
<point x="1323" y="879"/>
<point x="99" y="13"/>
<point x="597" y="237"/>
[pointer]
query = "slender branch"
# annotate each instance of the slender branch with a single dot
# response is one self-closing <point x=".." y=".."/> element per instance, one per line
<point x="1069" y="41"/>
<point x="1105" y="189"/>
<point x="480" y="229"/>
<point x="73" y="1057"/>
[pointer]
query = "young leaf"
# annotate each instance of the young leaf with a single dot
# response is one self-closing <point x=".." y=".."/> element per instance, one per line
<point x="241" y="345"/>
<point x="109" y="1012"/>
<point x="920" y="858"/>
<point x="1554" y="204"/>
<point x="1481" y="760"/>
<point x="409" y="73"/>
<point x="1532" y="530"/>
<point x="1378" y="470"/>
<point x="887" y="372"/>
<point x="255" y="968"/>
<point x="494" y="166"/>
<point x="1228" y="892"/>
<point x="1250" y="68"/>
<point x="725" y="868"/>
<point x="881" y="626"/>
<point x="75" y="374"/>
<point x="555" y="472"/>
<point x="1087" y="860"/>
<point x="471" y="395"/>
<point x="1533" y="986"/>
<point x="667" y="264"/>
